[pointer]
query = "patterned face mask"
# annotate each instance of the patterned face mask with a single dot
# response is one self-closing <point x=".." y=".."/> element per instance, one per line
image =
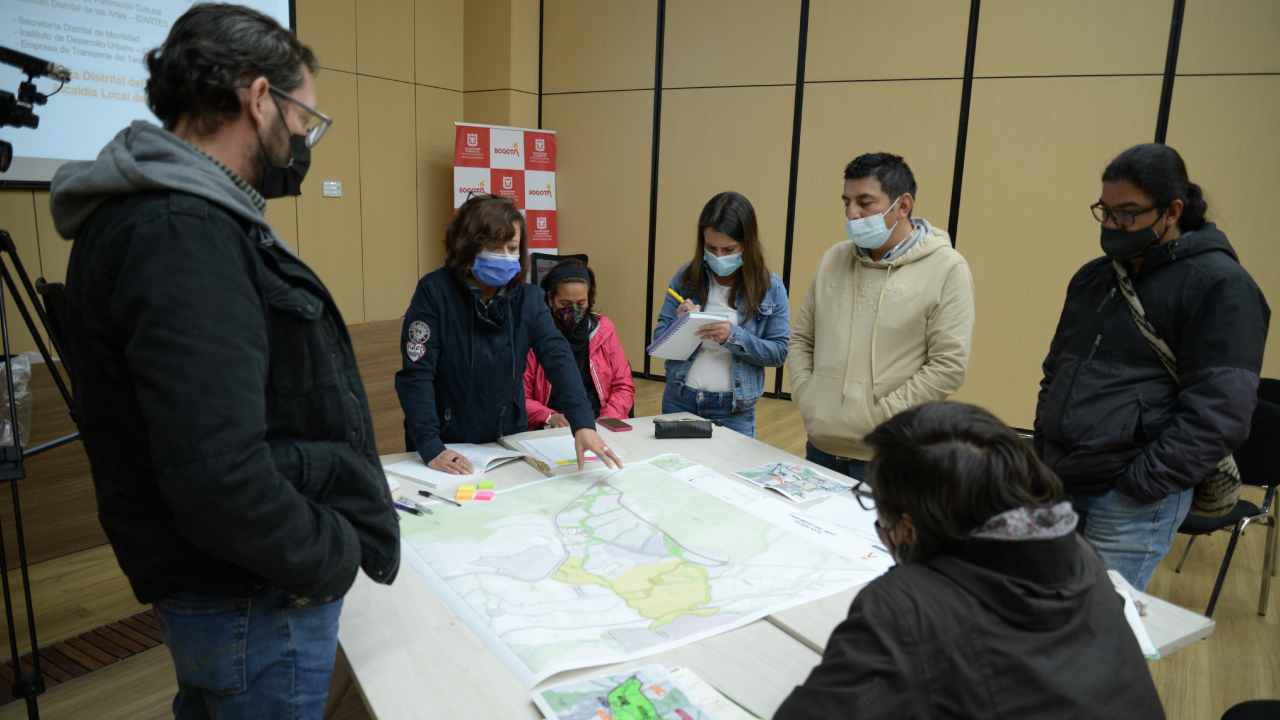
<point x="569" y="317"/>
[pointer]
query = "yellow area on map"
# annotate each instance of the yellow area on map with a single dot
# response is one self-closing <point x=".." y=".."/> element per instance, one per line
<point x="661" y="591"/>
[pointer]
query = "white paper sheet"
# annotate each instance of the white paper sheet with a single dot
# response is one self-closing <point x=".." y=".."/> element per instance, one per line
<point x="480" y="457"/>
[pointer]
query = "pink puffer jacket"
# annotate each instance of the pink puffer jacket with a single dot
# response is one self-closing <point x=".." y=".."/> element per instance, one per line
<point x="609" y="369"/>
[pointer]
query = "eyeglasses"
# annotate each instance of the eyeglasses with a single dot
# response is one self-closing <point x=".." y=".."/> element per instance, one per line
<point x="1123" y="218"/>
<point x="862" y="491"/>
<point x="317" y="122"/>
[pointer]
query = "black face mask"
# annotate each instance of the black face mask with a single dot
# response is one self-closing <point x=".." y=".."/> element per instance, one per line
<point x="281" y="180"/>
<point x="1125" y="245"/>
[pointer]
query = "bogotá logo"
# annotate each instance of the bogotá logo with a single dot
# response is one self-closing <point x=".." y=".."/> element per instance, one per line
<point x="473" y="139"/>
<point x="513" y="150"/>
<point x="546" y="192"/>
<point x="472" y="189"/>
<point x="542" y="223"/>
<point x="540" y="144"/>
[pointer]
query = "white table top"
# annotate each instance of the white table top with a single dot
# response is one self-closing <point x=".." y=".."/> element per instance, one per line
<point x="410" y="655"/>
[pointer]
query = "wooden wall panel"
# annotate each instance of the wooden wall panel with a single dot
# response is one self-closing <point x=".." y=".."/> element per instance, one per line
<point x="1230" y="36"/>
<point x="329" y="28"/>
<point x="1238" y="170"/>
<point x="389" y="197"/>
<point x="524" y="46"/>
<point x="438" y="43"/>
<point x="385" y="38"/>
<point x="1025" y="225"/>
<point x="933" y="48"/>
<point x="486" y="49"/>
<point x="603" y="152"/>
<point x="589" y="45"/>
<point x="282" y="213"/>
<point x="715" y="140"/>
<point x="487" y="108"/>
<point x="713" y="43"/>
<point x="329" y="228"/>
<point x="18" y="216"/>
<point x="1086" y="37"/>
<point x="522" y="109"/>
<point x="437" y="111"/>
<point x="925" y="138"/>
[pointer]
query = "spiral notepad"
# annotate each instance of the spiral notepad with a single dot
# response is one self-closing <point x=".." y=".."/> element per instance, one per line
<point x="681" y="339"/>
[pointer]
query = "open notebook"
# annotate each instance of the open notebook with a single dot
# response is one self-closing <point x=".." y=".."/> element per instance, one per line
<point x="681" y="339"/>
<point x="480" y="457"/>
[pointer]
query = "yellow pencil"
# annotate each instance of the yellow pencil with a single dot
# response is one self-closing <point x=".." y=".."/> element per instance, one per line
<point x="673" y="294"/>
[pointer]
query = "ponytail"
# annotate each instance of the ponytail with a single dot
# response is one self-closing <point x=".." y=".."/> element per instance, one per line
<point x="1193" y="209"/>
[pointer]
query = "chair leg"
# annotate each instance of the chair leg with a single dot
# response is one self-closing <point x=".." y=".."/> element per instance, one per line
<point x="1268" y="567"/>
<point x="1185" y="553"/>
<point x="1222" y="574"/>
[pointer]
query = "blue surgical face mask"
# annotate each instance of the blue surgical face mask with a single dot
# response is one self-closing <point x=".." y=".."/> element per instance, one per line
<point x="722" y="266"/>
<point x="495" y="269"/>
<point x="870" y="232"/>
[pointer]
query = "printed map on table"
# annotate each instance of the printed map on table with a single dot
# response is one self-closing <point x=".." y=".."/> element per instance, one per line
<point x="647" y="693"/>
<point x="607" y="566"/>
<point x="796" y="482"/>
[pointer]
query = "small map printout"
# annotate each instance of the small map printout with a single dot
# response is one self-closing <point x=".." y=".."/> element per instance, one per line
<point x="796" y="482"/>
<point x="608" y="566"/>
<point x="647" y="693"/>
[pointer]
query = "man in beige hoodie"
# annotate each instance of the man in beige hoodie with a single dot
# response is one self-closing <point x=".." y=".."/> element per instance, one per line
<point x="887" y="322"/>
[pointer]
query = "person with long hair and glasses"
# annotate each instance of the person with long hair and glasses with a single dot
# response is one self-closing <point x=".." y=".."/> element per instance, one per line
<point x="603" y="367"/>
<point x="724" y="377"/>
<point x="466" y="337"/>
<point x="1152" y="375"/>
<point x="996" y="608"/>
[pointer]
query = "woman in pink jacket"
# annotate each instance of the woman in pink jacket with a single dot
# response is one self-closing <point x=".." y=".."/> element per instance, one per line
<point x="605" y="372"/>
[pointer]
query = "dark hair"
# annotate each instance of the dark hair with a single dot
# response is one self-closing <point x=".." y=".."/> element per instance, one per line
<point x="951" y="467"/>
<point x="731" y="214"/>
<point x="1158" y="171"/>
<point x="553" y="280"/>
<point x="484" y="219"/>
<point x="892" y="171"/>
<point x="213" y="50"/>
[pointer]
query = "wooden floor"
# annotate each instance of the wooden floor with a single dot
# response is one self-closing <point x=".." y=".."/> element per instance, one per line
<point x="1241" y="661"/>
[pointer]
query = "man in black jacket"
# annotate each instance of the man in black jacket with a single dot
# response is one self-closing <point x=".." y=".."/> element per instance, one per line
<point x="1129" y="439"/>
<point x="215" y="384"/>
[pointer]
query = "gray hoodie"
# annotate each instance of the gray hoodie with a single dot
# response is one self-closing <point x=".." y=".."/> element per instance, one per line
<point x="146" y="158"/>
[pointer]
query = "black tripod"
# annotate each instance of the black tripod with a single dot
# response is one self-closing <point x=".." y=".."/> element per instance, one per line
<point x="26" y="685"/>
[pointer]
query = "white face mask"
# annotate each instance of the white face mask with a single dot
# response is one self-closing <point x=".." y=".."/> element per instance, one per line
<point x="870" y="232"/>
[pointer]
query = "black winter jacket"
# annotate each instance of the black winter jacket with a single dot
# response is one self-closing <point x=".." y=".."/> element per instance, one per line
<point x="1110" y="415"/>
<point x="221" y="407"/>
<point x="1000" y="630"/>
<point x="462" y="379"/>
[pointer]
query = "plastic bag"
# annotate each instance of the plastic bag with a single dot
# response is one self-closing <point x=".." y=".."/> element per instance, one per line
<point x="21" y="393"/>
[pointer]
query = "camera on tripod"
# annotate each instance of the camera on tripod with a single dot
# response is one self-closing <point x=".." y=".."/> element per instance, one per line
<point x="19" y="110"/>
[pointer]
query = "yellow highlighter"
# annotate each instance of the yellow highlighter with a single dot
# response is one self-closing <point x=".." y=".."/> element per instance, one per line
<point x="673" y="294"/>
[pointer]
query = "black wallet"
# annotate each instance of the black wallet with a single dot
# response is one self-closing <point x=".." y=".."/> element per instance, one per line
<point x="671" y="429"/>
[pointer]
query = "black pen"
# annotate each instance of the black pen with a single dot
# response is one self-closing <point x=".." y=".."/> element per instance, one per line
<point x="424" y="493"/>
<point x="410" y="510"/>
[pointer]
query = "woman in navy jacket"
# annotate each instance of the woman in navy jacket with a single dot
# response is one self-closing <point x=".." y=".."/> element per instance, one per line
<point x="466" y="335"/>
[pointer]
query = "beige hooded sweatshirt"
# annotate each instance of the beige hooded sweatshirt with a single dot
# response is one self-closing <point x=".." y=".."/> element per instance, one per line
<point x="875" y="338"/>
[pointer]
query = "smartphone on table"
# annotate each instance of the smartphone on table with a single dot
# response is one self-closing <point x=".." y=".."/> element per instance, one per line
<point x="614" y="425"/>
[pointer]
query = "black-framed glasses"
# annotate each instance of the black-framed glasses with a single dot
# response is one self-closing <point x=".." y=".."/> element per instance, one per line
<point x="862" y="491"/>
<point x="1123" y="218"/>
<point x="317" y="122"/>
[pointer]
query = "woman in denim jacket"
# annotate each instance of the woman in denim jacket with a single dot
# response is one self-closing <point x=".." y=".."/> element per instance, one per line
<point x="724" y="377"/>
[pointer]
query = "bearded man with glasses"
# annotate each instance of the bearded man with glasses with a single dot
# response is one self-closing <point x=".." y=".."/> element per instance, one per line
<point x="215" y="384"/>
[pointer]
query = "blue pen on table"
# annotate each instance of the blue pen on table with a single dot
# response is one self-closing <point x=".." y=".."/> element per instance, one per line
<point x="410" y="510"/>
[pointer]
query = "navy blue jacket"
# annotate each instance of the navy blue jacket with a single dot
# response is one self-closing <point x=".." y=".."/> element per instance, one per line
<point x="464" y="381"/>
<point x="1110" y="415"/>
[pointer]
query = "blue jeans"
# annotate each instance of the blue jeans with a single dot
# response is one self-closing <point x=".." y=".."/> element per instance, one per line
<point x="856" y="469"/>
<point x="709" y="405"/>
<point x="249" y="658"/>
<point x="1132" y="537"/>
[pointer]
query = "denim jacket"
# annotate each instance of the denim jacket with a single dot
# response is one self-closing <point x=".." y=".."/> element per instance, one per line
<point x="756" y="342"/>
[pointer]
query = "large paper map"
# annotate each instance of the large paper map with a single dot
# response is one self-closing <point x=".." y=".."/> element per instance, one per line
<point x="606" y="566"/>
